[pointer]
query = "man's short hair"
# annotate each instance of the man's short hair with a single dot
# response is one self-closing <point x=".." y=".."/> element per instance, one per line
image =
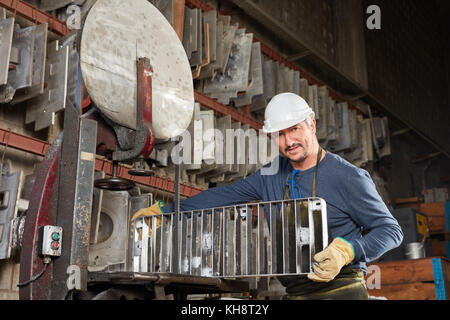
<point x="309" y="120"/>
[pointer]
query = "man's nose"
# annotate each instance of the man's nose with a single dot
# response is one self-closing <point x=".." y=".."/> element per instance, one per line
<point x="289" y="139"/>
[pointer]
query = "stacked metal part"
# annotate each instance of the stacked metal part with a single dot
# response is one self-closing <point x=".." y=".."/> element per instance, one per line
<point x="12" y="208"/>
<point x="228" y="66"/>
<point x="35" y="70"/>
<point x="216" y="149"/>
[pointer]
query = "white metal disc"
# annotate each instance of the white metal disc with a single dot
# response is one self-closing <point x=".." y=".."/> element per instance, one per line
<point x="115" y="34"/>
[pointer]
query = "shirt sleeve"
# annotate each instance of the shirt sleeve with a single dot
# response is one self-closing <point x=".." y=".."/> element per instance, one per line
<point x="368" y="210"/>
<point x="242" y="191"/>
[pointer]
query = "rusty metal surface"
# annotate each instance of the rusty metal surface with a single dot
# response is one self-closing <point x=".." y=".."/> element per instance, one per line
<point x="83" y="194"/>
<point x="66" y="201"/>
<point x="41" y="211"/>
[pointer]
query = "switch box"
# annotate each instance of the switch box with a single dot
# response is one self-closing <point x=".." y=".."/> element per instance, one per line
<point x="50" y="241"/>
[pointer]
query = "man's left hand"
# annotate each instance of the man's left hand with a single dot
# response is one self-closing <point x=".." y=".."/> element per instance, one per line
<point x="330" y="261"/>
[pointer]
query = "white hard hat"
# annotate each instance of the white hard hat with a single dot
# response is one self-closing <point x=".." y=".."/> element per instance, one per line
<point x="285" y="110"/>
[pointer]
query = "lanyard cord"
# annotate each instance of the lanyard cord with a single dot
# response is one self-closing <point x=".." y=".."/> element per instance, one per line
<point x="294" y="172"/>
<point x="319" y="155"/>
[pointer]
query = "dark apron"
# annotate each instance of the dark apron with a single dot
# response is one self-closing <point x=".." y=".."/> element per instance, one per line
<point x="349" y="284"/>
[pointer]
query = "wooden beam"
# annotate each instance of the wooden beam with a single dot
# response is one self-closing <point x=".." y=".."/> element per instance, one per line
<point x="407" y="200"/>
<point x="178" y="17"/>
<point x="405" y="271"/>
<point x="406" y="291"/>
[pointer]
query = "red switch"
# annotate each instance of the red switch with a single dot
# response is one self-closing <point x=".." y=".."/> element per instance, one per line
<point x="55" y="245"/>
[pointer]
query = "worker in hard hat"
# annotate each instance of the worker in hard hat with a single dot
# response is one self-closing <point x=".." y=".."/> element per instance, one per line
<point x="306" y="170"/>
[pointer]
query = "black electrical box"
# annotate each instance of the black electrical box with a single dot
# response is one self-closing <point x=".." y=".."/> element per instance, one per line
<point x="414" y="225"/>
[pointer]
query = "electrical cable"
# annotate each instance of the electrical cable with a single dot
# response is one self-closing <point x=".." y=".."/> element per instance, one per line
<point x="23" y="284"/>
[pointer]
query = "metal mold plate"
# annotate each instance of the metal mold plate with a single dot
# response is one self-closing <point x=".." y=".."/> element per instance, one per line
<point x="323" y="110"/>
<point x="42" y="109"/>
<point x="112" y="244"/>
<point x="255" y="86"/>
<point x="190" y="31"/>
<point x="38" y="68"/>
<point x="210" y="18"/>
<point x="196" y="57"/>
<point x="23" y="40"/>
<point x="6" y="36"/>
<point x="236" y="75"/>
<point x="269" y="79"/>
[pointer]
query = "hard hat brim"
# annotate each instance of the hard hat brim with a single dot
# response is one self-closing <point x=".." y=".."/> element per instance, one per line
<point x="281" y="126"/>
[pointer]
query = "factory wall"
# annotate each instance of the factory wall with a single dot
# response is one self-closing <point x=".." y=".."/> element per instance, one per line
<point x="404" y="177"/>
<point x="406" y="66"/>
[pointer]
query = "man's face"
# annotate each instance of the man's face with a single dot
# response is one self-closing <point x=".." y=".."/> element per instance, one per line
<point x="295" y="143"/>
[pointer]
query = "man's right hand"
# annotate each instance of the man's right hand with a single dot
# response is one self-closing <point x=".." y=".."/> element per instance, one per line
<point x="150" y="211"/>
<point x="155" y="209"/>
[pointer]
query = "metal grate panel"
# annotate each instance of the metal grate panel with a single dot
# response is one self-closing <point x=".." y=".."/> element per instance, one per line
<point x="247" y="240"/>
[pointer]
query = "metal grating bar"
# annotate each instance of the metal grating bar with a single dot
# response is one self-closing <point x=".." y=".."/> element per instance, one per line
<point x="206" y="244"/>
<point x="285" y="235"/>
<point x="237" y="241"/>
<point x="144" y="247"/>
<point x="224" y="242"/>
<point x="273" y="238"/>
<point x="153" y="247"/>
<point x="260" y="266"/>
<point x="164" y="254"/>
<point x="248" y="246"/>
<point x="312" y="246"/>
<point x="298" y="242"/>
<point x="185" y="237"/>
<point x="216" y="232"/>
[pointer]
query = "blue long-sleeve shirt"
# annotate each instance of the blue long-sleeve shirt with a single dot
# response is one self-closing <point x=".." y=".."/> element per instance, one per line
<point x="353" y="203"/>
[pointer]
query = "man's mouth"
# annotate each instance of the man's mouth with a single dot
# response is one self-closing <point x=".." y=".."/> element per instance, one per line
<point x="293" y="148"/>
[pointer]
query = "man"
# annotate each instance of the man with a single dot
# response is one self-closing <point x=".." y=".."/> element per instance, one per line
<point x="353" y="203"/>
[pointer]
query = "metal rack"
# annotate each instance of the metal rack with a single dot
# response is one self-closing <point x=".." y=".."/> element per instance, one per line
<point x="275" y="238"/>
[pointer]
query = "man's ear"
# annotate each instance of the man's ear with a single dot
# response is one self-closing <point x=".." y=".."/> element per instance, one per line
<point x="313" y="126"/>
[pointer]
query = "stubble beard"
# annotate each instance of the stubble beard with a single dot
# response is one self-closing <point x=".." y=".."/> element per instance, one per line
<point x="302" y="157"/>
